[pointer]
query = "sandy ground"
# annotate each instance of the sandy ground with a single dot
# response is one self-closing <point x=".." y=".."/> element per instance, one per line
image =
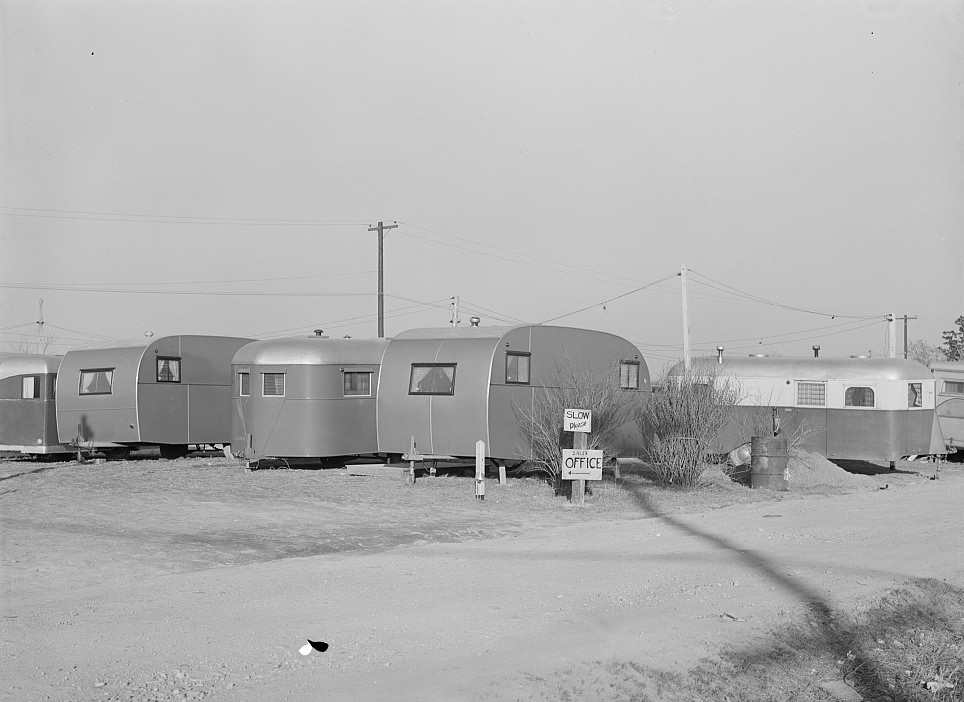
<point x="194" y="579"/>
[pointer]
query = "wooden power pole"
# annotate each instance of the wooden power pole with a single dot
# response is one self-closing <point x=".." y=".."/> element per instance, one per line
<point x="380" y="228"/>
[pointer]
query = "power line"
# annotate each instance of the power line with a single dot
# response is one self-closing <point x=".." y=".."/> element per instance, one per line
<point x="213" y="293"/>
<point x="83" y="215"/>
<point x="762" y="300"/>
<point x="604" y="302"/>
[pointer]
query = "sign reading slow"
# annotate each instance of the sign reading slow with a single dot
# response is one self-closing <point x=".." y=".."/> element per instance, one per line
<point x="577" y="420"/>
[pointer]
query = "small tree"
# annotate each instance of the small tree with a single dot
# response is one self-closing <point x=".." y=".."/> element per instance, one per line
<point x="924" y="353"/>
<point x="39" y="347"/>
<point x="574" y="386"/>
<point x="685" y="416"/>
<point x="954" y="341"/>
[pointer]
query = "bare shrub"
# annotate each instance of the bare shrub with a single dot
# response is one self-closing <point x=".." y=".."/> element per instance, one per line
<point x="763" y="419"/>
<point x="574" y="386"/>
<point x="685" y="415"/>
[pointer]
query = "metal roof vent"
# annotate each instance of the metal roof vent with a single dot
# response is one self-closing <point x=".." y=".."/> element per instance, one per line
<point x="320" y="334"/>
<point x="474" y="321"/>
<point x="719" y="355"/>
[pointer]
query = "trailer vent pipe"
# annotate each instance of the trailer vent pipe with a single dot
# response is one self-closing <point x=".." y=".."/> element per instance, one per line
<point x="719" y="355"/>
<point x="816" y="350"/>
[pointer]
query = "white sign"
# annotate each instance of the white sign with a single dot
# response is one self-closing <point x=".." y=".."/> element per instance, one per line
<point x="577" y="420"/>
<point x="582" y="464"/>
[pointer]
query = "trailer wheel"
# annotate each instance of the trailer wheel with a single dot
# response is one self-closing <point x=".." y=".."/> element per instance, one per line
<point x="173" y="451"/>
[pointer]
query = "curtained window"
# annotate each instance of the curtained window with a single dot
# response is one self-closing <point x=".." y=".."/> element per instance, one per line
<point x="432" y="379"/>
<point x="168" y="370"/>
<point x="96" y="381"/>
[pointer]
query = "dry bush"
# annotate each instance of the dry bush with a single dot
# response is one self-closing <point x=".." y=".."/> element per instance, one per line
<point x="574" y="386"/>
<point x="685" y="416"/>
<point x="763" y="419"/>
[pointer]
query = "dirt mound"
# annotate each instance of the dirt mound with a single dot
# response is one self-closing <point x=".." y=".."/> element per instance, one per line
<point x="813" y="470"/>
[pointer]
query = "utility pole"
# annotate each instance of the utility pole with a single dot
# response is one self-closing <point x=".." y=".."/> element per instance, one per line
<point x="381" y="274"/>
<point x="891" y="336"/>
<point x="686" y="319"/>
<point x="40" y="322"/>
<point x="455" y="312"/>
<point x="905" y="318"/>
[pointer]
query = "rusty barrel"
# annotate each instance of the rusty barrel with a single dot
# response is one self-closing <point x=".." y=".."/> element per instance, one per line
<point x="768" y="463"/>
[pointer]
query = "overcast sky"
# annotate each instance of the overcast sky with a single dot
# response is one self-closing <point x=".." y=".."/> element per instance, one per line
<point x="803" y="159"/>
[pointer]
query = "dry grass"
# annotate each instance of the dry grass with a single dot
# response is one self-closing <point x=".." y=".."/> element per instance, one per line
<point x="908" y="647"/>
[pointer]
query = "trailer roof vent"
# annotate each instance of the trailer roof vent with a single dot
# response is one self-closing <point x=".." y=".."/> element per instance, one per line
<point x="320" y="334"/>
<point x="474" y="321"/>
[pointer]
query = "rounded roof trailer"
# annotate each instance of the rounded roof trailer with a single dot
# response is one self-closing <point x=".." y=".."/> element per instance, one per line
<point x="950" y="401"/>
<point x="451" y="387"/>
<point x="28" y="413"/>
<point x="306" y="397"/>
<point x="14" y="364"/>
<point x="875" y="409"/>
<point x="170" y="391"/>
<point x="311" y="350"/>
<point x="823" y="368"/>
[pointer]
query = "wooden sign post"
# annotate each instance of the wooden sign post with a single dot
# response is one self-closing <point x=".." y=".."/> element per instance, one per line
<point x="579" y="463"/>
<point x="480" y="470"/>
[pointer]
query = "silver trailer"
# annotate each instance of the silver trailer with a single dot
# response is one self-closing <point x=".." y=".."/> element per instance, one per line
<point x="449" y="388"/>
<point x="310" y="397"/>
<point x="868" y="409"/>
<point x="950" y="401"/>
<point x="171" y="392"/>
<point x="28" y="413"/>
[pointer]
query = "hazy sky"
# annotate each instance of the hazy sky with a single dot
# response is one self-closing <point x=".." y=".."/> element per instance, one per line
<point x="802" y="158"/>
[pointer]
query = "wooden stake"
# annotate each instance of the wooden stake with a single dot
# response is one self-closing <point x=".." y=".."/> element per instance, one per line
<point x="579" y="441"/>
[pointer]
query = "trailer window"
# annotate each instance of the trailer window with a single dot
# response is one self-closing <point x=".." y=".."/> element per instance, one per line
<point x="954" y="387"/>
<point x="914" y="395"/>
<point x="244" y="384"/>
<point x="629" y="375"/>
<point x="358" y="383"/>
<point x="96" y="381"/>
<point x="517" y="368"/>
<point x="30" y="387"/>
<point x="273" y="384"/>
<point x="53" y="386"/>
<point x="859" y="397"/>
<point x="168" y="370"/>
<point x="812" y="394"/>
<point x="432" y="379"/>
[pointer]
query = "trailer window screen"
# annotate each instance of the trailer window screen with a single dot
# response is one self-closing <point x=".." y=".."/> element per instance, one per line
<point x="358" y="383"/>
<point x="273" y="384"/>
<point x="914" y="395"/>
<point x="244" y="384"/>
<point x="97" y="381"/>
<point x="629" y="375"/>
<point x="432" y="379"/>
<point x="517" y="368"/>
<point x="954" y="387"/>
<point x="30" y="387"/>
<point x="812" y="394"/>
<point x="168" y="370"/>
<point x="859" y="397"/>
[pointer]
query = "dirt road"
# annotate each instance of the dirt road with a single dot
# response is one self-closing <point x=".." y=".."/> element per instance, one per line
<point x="90" y="614"/>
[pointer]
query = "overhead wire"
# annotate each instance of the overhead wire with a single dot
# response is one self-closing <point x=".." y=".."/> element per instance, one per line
<point x="723" y="287"/>
<point x="607" y="301"/>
